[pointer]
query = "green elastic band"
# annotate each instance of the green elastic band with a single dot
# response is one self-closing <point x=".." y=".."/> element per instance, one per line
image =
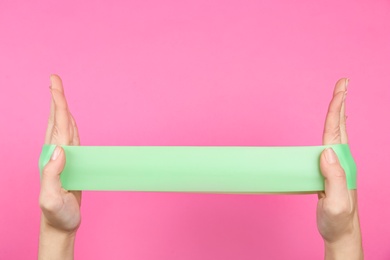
<point x="219" y="169"/>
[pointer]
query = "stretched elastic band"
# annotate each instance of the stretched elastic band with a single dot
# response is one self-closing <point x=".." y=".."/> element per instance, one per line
<point x="219" y="169"/>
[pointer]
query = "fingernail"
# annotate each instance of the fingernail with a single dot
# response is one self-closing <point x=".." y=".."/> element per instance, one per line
<point x="330" y="156"/>
<point x="346" y="83"/>
<point x="55" y="154"/>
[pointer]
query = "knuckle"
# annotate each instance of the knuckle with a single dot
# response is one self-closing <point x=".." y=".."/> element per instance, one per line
<point x="339" y="173"/>
<point x="47" y="170"/>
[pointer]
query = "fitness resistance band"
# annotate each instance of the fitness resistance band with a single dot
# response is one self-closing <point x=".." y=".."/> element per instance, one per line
<point x="217" y="169"/>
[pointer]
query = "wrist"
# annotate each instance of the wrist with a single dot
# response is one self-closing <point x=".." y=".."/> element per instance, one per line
<point x="52" y="228"/>
<point x="349" y="247"/>
<point x="55" y="243"/>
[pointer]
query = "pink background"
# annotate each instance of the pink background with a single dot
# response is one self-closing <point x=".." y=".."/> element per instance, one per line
<point x="245" y="73"/>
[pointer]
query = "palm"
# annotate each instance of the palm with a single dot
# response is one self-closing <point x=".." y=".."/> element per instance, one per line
<point x="62" y="130"/>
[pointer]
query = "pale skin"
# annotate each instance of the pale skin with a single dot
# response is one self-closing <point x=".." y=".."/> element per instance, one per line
<point x="337" y="211"/>
<point x="61" y="216"/>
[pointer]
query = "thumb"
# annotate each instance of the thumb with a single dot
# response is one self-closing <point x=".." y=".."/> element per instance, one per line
<point x="336" y="190"/>
<point x="50" y="181"/>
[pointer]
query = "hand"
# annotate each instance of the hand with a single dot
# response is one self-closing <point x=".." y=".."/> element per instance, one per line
<point x="337" y="209"/>
<point x="60" y="208"/>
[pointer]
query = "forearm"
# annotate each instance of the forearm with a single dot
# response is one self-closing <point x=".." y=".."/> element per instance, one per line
<point x="55" y="244"/>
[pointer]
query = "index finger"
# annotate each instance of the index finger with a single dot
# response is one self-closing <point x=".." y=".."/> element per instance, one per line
<point x="50" y="123"/>
<point x="61" y="115"/>
<point x="335" y="116"/>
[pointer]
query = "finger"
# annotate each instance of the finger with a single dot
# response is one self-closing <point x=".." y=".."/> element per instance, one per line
<point x="343" y="118"/>
<point x="332" y="131"/>
<point x="336" y="190"/>
<point x="341" y="86"/>
<point x="76" y="141"/>
<point x="50" y="123"/>
<point x="76" y="138"/>
<point x="50" y="196"/>
<point x="61" y="116"/>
